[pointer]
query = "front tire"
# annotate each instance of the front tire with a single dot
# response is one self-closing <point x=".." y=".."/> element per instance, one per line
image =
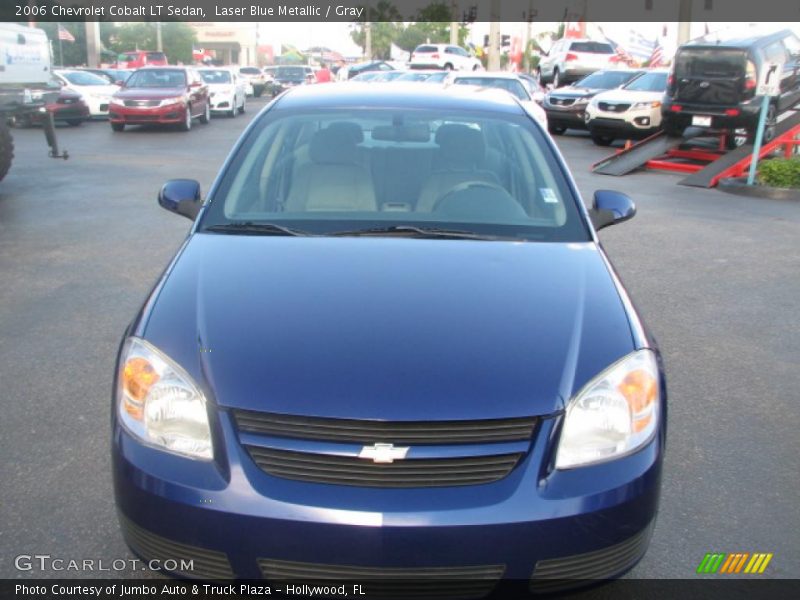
<point x="448" y="67"/>
<point x="117" y="127"/>
<point x="556" y="129"/>
<point x="602" y="140"/>
<point x="205" y="118"/>
<point x="242" y="107"/>
<point x="187" y="121"/>
<point x="556" y="78"/>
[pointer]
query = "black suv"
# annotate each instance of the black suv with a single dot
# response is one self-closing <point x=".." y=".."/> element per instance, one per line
<point x="713" y="83"/>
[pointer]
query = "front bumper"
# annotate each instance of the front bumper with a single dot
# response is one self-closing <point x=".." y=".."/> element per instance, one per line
<point x="221" y="103"/>
<point x="571" y="116"/>
<point x="532" y="526"/>
<point x="98" y="107"/>
<point x="633" y="123"/>
<point x="164" y="115"/>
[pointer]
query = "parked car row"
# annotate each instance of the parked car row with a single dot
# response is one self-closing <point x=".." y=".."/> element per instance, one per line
<point x="711" y="86"/>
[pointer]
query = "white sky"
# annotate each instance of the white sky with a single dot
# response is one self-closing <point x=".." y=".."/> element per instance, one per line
<point x="337" y="35"/>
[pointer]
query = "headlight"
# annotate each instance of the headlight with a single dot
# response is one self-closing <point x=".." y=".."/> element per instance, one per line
<point x="168" y="101"/>
<point x="593" y="103"/>
<point x="653" y="104"/>
<point x="159" y="403"/>
<point x="613" y="415"/>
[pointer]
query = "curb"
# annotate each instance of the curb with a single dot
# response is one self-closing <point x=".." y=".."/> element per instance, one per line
<point x="738" y="186"/>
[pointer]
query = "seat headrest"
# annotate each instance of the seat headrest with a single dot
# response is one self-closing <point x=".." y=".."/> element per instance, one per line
<point x="460" y="145"/>
<point x="350" y="128"/>
<point x="333" y="146"/>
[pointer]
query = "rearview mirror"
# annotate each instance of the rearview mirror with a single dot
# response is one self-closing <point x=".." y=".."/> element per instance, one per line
<point x="181" y="196"/>
<point x="610" y="207"/>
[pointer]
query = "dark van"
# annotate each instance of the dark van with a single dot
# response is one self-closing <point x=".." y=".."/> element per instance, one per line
<point x="713" y="83"/>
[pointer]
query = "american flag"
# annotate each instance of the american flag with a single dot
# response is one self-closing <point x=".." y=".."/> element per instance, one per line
<point x="657" y="57"/>
<point x="65" y="35"/>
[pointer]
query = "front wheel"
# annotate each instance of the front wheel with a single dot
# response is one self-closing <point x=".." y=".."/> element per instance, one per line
<point x="242" y="107"/>
<point x="448" y="67"/>
<point x="187" y="120"/>
<point x="556" y="129"/>
<point x="117" y="127"/>
<point x="602" y="140"/>
<point x="556" y="79"/>
<point x="205" y="118"/>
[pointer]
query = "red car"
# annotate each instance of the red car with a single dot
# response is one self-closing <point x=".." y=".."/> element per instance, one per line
<point x="163" y="96"/>
<point x="69" y="107"/>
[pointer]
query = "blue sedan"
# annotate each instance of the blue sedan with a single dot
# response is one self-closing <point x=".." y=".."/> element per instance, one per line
<point x="391" y="346"/>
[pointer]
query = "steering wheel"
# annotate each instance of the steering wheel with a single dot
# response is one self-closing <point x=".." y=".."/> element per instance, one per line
<point x="465" y="185"/>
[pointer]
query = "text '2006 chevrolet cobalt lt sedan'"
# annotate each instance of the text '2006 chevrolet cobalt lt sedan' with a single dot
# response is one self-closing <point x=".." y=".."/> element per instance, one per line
<point x="391" y="345"/>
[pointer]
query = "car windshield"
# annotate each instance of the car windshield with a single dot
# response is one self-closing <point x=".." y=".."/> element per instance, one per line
<point x="157" y="78"/>
<point x="510" y="85"/>
<point x="606" y="80"/>
<point x="250" y="71"/>
<point x="649" y="82"/>
<point x="290" y="73"/>
<point x="84" y="78"/>
<point x="593" y="47"/>
<point x="156" y="56"/>
<point x="349" y="170"/>
<point x="426" y="49"/>
<point x="411" y="76"/>
<point x="216" y="76"/>
<point x="368" y="76"/>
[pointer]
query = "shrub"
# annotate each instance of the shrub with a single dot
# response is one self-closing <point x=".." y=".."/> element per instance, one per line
<point x="780" y="172"/>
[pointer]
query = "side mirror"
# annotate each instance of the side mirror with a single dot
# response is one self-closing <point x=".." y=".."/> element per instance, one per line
<point x="610" y="207"/>
<point x="181" y="196"/>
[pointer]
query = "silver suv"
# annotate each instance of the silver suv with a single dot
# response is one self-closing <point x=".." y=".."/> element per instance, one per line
<point x="570" y="59"/>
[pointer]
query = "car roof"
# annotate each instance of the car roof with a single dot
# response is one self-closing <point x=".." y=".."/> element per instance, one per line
<point x="491" y="74"/>
<point x="165" y="67"/>
<point x="732" y="40"/>
<point x="416" y="95"/>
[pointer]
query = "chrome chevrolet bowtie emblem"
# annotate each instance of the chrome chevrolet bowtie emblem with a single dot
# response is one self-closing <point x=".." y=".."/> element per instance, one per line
<point x="383" y="453"/>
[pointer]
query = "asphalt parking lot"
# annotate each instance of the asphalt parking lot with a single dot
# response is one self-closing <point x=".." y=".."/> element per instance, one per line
<point x="716" y="276"/>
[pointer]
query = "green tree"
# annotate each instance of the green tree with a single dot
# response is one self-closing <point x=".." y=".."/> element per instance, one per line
<point x="432" y="25"/>
<point x="177" y="39"/>
<point x="74" y="52"/>
<point x="384" y="20"/>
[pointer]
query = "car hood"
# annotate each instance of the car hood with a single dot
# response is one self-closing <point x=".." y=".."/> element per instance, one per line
<point x="149" y="93"/>
<point x="573" y="92"/>
<point x="221" y="88"/>
<point x="97" y="90"/>
<point x="628" y="96"/>
<point x="382" y="328"/>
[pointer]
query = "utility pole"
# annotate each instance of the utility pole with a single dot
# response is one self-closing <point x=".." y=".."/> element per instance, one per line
<point x="159" y="45"/>
<point x="454" y="23"/>
<point x="684" y="21"/>
<point x="493" y="62"/>
<point x="526" y="42"/>
<point x="93" y="44"/>
<point x="368" y="34"/>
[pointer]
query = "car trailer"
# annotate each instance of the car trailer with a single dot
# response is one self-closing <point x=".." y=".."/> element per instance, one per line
<point x="705" y="165"/>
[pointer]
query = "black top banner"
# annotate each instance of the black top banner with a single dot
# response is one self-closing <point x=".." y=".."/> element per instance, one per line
<point x="787" y="11"/>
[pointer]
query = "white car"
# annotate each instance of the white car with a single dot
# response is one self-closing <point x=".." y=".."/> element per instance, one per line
<point x="226" y="90"/>
<point x="571" y="59"/>
<point x="95" y="90"/>
<point x="254" y="80"/>
<point x="443" y="56"/>
<point x="632" y="111"/>
<point x="509" y="82"/>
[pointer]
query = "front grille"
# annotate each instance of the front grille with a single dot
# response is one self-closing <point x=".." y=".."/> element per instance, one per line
<point x="562" y="101"/>
<point x="613" y="107"/>
<point x="206" y="564"/>
<point x="142" y="103"/>
<point x="571" y="571"/>
<point x="461" y="582"/>
<point x="395" y="432"/>
<point x="351" y="470"/>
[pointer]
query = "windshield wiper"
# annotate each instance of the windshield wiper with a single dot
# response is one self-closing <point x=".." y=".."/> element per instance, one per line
<point x="417" y="231"/>
<point x="253" y="228"/>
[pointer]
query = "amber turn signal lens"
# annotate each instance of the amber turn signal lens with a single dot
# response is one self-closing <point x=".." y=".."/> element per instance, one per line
<point x="639" y="388"/>
<point x="138" y="376"/>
